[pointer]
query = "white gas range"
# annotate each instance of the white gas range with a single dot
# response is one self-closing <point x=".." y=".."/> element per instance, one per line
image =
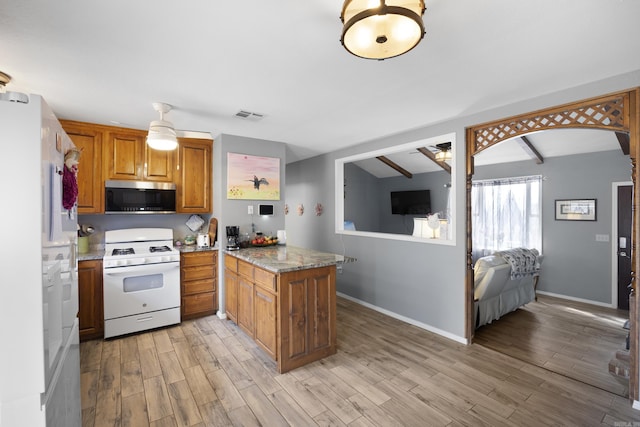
<point x="141" y="280"/>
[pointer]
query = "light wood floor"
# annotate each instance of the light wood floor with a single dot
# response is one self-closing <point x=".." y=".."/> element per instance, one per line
<point x="386" y="373"/>
<point x="571" y="338"/>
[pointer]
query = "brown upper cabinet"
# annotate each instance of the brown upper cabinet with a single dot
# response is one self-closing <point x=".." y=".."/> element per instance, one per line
<point x="194" y="175"/>
<point x="126" y="156"/>
<point x="88" y="138"/>
<point x="114" y="153"/>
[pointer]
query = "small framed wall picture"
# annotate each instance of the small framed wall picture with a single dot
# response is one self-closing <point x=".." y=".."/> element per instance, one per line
<point x="576" y="210"/>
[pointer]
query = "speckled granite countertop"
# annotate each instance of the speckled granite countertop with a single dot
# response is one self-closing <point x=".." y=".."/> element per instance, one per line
<point x="194" y="248"/>
<point x="280" y="259"/>
<point x="92" y="255"/>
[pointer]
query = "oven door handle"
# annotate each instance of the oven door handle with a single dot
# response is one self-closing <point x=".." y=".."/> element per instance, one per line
<point x="137" y="269"/>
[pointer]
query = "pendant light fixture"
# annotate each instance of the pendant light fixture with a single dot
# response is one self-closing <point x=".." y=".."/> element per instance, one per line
<point x="162" y="135"/>
<point x="381" y="29"/>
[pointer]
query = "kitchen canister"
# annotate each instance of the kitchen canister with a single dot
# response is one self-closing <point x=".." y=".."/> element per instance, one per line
<point x="83" y="244"/>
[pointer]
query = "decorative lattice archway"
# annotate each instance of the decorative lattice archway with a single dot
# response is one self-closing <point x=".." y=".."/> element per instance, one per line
<point x="618" y="112"/>
<point x="609" y="113"/>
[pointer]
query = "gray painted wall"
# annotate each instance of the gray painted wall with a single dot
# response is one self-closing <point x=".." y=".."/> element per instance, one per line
<point x="368" y="203"/>
<point x="234" y="212"/>
<point x="405" y="278"/>
<point x="422" y="282"/>
<point x="575" y="265"/>
<point x="432" y="181"/>
<point x="103" y="223"/>
<point x="362" y="198"/>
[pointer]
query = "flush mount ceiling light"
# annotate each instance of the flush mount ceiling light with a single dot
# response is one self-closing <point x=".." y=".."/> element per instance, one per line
<point x="162" y="135"/>
<point x="4" y="80"/>
<point x="445" y="152"/>
<point x="8" y="95"/>
<point x="381" y="29"/>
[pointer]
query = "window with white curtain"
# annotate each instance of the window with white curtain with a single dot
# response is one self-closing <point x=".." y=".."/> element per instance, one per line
<point x="507" y="213"/>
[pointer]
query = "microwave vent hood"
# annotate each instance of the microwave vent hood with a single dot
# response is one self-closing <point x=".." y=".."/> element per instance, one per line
<point x="142" y="185"/>
<point x="139" y="197"/>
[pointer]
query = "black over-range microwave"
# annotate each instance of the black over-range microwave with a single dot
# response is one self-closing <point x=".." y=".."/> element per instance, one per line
<point x="122" y="197"/>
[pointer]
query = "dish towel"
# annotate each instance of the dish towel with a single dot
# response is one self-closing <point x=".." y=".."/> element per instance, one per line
<point x="523" y="261"/>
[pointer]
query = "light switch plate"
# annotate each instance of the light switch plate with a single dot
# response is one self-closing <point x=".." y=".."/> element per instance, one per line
<point x="602" y="237"/>
<point x="250" y="209"/>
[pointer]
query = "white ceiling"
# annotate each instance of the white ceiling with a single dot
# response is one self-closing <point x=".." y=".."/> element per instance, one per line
<point x="552" y="143"/>
<point x="106" y="62"/>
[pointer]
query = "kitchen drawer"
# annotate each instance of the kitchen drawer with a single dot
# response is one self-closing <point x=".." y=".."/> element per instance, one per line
<point x="265" y="278"/>
<point x="196" y="273"/>
<point x="199" y="303"/>
<point x="198" y="258"/>
<point x="231" y="263"/>
<point x="245" y="269"/>
<point x="198" y="286"/>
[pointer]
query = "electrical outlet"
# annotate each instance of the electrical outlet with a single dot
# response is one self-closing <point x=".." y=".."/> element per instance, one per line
<point x="250" y="209"/>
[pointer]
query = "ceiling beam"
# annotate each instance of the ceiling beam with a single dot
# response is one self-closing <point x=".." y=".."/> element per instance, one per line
<point x="623" y="139"/>
<point x="429" y="154"/>
<point x="395" y="166"/>
<point x="531" y="150"/>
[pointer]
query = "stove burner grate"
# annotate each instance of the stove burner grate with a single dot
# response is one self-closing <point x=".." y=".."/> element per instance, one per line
<point x="124" y="251"/>
<point x="160" y="249"/>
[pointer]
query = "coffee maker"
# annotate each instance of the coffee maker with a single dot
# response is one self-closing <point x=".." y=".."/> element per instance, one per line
<point x="233" y="233"/>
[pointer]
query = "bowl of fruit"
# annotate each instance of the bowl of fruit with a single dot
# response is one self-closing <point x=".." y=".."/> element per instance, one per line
<point x="261" y="240"/>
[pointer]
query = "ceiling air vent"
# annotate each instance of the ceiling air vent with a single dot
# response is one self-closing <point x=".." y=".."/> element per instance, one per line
<point x="248" y="115"/>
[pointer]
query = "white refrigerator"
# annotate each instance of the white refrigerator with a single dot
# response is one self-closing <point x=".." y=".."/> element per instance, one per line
<point x="39" y="344"/>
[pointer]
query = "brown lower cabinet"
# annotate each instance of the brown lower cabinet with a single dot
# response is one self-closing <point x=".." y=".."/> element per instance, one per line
<point x="198" y="284"/>
<point x="290" y="315"/>
<point x="90" y="300"/>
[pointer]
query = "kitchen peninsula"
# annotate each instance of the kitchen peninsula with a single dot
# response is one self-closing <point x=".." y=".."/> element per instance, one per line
<point x="284" y="298"/>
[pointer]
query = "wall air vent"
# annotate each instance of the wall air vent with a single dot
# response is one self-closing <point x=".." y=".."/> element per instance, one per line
<point x="248" y="115"/>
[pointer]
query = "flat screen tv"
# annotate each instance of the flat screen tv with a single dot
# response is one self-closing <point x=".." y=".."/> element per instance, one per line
<point x="414" y="202"/>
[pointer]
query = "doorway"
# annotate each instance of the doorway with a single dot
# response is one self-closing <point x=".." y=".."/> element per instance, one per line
<point x="618" y="112"/>
<point x="621" y="230"/>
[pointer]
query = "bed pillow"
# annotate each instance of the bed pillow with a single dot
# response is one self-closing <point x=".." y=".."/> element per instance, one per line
<point x="484" y="264"/>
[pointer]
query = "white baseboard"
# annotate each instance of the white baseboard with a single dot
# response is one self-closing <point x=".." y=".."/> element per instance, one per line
<point x="586" y="301"/>
<point x="636" y="405"/>
<point x="221" y="315"/>
<point x="413" y="322"/>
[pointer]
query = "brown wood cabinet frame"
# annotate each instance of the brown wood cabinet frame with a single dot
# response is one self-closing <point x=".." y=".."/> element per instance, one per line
<point x="619" y="112"/>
